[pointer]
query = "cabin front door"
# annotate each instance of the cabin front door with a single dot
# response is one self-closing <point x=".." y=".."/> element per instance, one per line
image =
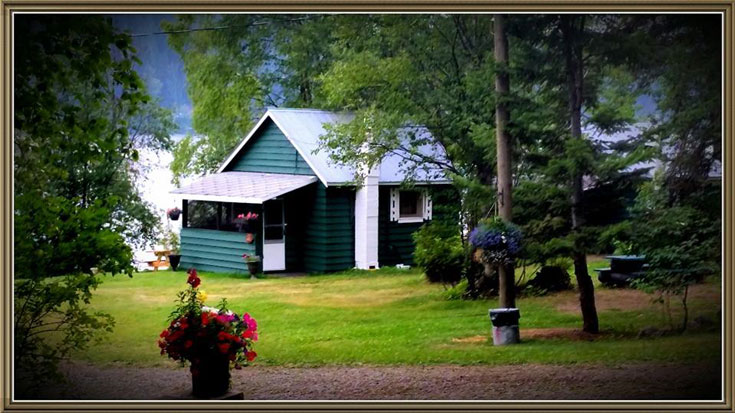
<point x="274" y="236"/>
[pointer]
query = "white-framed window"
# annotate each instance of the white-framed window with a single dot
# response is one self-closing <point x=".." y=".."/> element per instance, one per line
<point x="409" y="205"/>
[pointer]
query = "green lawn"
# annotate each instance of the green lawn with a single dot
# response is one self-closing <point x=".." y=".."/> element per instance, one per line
<point x="390" y="317"/>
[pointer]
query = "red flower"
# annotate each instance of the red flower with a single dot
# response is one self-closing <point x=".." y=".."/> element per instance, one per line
<point x="193" y="280"/>
<point x="251" y="355"/>
<point x="164" y="333"/>
<point x="188" y="343"/>
<point x="224" y="347"/>
<point x="250" y="334"/>
<point x="205" y="319"/>
<point x="222" y="336"/>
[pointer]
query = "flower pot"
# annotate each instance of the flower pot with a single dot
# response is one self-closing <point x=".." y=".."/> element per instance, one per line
<point x="249" y="237"/>
<point x="210" y="376"/>
<point x="174" y="260"/>
<point x="254" y="267"/>
<point x="174" y="215"/>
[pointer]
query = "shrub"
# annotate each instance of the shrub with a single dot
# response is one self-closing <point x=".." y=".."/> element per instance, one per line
<point x="457" y="292"/>
<point x="439" y="252"/>
<point x="550" y="278"/>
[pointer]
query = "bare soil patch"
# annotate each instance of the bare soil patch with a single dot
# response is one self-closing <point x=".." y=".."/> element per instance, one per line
<point x="660" y="381"/>
<point x="629" y="299"/>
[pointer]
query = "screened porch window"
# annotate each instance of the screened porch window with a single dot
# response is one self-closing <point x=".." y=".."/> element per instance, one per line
<point x="215" y="215"/>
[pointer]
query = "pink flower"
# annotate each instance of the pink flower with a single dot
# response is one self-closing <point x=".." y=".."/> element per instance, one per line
<point x="251" y="323"/>
<point x="241" y="216"/>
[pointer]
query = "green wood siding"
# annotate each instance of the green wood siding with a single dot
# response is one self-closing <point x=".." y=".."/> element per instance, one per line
<point x="395" y="241"/>
<point x="270" y="151"/>
<point x="329" y="243"/>
<point x="217" y="251"/>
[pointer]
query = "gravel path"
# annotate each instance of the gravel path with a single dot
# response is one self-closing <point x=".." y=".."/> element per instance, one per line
<point x="522" y="382"/>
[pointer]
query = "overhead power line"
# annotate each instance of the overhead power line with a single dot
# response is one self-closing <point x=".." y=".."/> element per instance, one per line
<point x="201" y="29"/>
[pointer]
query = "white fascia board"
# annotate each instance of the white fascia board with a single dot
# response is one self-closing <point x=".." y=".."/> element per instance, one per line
<point x="300" y="151"/>
<point x="244" y="141"/>
<point x="220" y="198"/>
<point x="244" y="200"/>
<point x="398" y="183"/>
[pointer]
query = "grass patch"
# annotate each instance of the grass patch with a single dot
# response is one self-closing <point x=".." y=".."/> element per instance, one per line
<point x="388" y="317"/>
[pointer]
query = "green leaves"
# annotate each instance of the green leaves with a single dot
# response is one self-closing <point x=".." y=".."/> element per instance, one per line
<point x="81" y="116"/>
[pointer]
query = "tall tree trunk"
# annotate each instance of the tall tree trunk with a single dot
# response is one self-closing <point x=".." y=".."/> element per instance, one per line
<point x="575" y="82"/>
<point x="506" y="274"/>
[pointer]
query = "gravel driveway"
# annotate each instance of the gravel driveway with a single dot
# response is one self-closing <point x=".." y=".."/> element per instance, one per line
<point x="450" y="382"/>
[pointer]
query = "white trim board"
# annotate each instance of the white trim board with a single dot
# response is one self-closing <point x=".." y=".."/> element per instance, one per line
<point x="257" y="126"/>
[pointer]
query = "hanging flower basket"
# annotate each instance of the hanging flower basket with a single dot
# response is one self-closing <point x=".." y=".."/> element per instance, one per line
<point x="497" y="242"/>
<point x="173" y="213"/>
<point x="247" y="223"/>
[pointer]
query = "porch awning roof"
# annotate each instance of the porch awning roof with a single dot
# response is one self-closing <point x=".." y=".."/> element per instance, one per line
<point x="243" y="187"/>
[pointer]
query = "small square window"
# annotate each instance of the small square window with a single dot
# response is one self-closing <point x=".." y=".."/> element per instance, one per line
<point x="411" y="204"/>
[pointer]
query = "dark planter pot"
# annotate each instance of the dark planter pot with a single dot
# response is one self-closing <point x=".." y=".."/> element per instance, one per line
<point x="254" y="267"/>
<point x="174" y="215"/>
<point x="174" y="260"/>
<point x="210" y="377"/>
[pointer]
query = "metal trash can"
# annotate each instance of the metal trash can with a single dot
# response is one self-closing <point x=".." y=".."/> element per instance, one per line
<point x="505" y="326"/>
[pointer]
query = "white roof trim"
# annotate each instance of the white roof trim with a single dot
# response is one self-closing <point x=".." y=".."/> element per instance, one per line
<point x="216" y="198"/>
<point x="243" y="187"/>
<point x="257" y="126"/>
<point x="299" y="150"/>
<point x="390" y="183"/>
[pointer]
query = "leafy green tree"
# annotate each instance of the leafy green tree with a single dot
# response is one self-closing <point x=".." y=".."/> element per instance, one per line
<point x="235" y="66"/>
<point x="677" y="217"/>
<point x="680" y="243"/>
<point x="81" y="116"/>
<point x="594" y="93"/>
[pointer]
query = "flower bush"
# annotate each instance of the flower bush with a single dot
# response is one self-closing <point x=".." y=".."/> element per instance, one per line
<point x="498" y="240"/>
<point x="197" y="332"/>
<point x="245" y="221"/>
<point x="251" y="258"/>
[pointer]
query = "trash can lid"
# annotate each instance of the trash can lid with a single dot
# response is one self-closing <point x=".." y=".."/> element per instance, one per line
<point x="504" y="310"/>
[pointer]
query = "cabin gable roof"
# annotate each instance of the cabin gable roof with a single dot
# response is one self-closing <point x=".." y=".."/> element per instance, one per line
<point x="303" y="128"/>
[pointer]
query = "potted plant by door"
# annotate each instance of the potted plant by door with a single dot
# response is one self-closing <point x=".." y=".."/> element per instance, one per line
<point x="170" y="242"/>
<point x="253" y="262"/>
<point x="173" y="213"/>
<point x="211" y="340"/>
<point x="247" y="223"/>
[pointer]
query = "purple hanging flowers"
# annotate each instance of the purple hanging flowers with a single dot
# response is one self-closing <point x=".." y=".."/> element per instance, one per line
<point x="499" y="242"/>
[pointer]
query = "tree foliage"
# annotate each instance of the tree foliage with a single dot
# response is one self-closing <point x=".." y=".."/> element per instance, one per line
<point x="81" y="116"/>
<point x="574" y="84"/>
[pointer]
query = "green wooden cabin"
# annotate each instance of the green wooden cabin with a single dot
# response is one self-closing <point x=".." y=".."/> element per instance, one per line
<point x="311" y="216"/>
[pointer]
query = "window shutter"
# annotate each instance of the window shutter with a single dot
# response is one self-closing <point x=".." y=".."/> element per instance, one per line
<point x="394" y="199"/>
<point x="427" y="206"/>
<point x="394" y="204"/>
